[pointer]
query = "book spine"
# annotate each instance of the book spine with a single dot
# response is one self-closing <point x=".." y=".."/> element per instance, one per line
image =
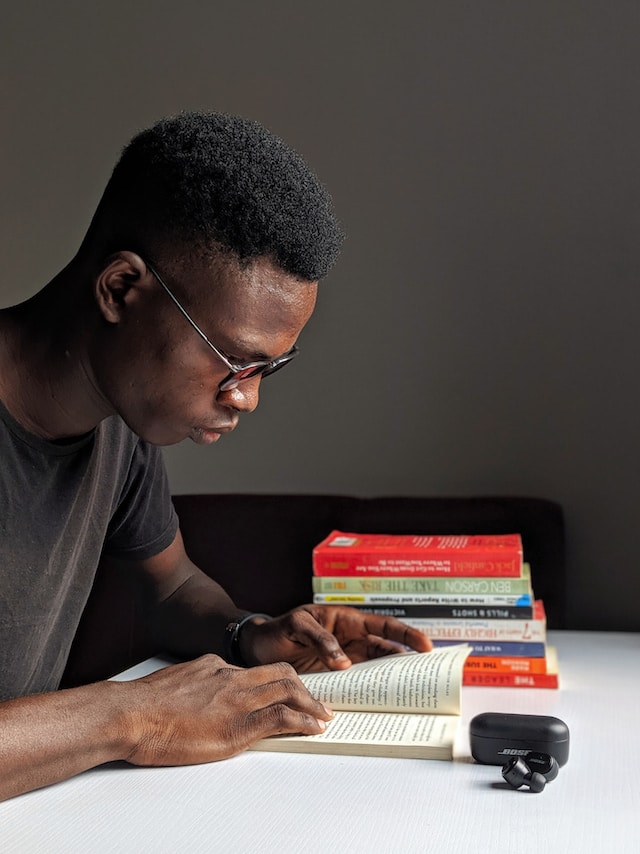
<point x="493" y="664"/>
<point x="450" y="612"/>
<point x="371" y="564"/>
<point x="522" y="600"/>
<point x="462" y="586"/>
<point x="511" y="680"/>
<point x="487" y="630"/>
<point x="525" y="649"/>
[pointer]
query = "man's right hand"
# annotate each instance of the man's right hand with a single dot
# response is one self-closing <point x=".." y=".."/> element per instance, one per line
<point x="205" y="710"/>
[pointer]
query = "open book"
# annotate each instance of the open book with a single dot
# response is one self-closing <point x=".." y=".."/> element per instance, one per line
<point x="399" y="705"/>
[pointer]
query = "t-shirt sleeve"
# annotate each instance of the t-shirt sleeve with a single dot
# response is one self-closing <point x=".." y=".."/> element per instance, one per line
<point x="144" y="522"/>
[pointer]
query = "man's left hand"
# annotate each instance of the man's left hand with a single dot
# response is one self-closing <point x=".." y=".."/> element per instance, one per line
<point x="327" y="637"/>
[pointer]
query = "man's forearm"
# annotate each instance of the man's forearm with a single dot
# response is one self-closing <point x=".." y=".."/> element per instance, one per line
<point x="199" y="711"/>
<point x="192" y="620"/>
<point x="46" y="738"/>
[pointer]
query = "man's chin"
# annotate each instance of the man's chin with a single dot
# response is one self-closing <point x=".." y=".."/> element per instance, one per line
<point x="167" y="436"/>
<point x="164" y="439"/>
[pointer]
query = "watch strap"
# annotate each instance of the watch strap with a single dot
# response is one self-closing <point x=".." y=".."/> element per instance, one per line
<point x="231" y="641"/>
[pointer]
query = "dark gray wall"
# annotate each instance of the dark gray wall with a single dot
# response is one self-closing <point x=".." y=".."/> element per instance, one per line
<point x="480" y="332"/>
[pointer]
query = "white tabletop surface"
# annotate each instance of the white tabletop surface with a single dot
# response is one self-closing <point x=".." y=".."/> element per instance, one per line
<point x="270" y="802"/>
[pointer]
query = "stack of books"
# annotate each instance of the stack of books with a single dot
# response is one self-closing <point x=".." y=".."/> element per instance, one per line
<point x="457" y="589"/>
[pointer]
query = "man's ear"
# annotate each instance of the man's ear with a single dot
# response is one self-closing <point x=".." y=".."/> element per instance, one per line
<point x="119" y="283"/>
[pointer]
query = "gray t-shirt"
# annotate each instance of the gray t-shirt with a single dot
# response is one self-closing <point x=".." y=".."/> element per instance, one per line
<point x="62" y="505"/>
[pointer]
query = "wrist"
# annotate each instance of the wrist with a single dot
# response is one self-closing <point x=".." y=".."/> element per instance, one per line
<point x="235" y="637"/>
<point x="131" y="701"/>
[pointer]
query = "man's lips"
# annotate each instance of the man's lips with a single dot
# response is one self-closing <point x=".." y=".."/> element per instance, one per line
<point x="207" y="435"/>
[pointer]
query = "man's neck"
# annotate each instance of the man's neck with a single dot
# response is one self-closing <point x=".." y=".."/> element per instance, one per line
<point x="44" y="381"/>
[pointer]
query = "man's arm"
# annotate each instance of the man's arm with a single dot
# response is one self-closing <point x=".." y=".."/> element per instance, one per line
<point x="199" y="711"/>
<point x="190" y="613"/>
<point x="186" y="610"/>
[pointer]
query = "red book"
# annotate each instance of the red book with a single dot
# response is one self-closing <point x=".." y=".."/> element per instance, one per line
<point x="511" y="680"/>
<point x="341" y="554"/>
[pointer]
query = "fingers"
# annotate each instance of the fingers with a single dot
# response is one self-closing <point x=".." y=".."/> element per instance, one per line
<point x="280" y="719"/>
<point x="206" y="710"/>
<point x="394" y="630"/>
<point x="377" y="625"/>
<point x="320" y="637"/>
<point x="283" y="705"/>
<point x="277" y="686"/>
<point x="339" y="635"/>
<point x="309" y="632"/>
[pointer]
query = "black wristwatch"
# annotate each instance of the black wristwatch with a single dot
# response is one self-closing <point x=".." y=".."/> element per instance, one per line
<point x="231" y="642"/>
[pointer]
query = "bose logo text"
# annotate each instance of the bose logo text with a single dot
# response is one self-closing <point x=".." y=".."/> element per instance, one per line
<point x="514" y="751"/>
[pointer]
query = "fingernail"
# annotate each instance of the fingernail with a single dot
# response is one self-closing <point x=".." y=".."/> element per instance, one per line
<point x="322" y="724"/>
<point x="327" y="710"/>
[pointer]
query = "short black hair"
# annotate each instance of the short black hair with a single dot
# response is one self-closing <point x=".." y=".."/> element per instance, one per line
<point x="221" y="182"/>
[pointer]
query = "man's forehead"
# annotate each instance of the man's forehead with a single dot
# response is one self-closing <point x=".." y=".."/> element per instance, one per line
<point x="260" y="283"/>
<point x="250" y="311"/>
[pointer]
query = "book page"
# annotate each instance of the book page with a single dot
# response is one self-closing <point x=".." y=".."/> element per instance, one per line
<point x="371" y="734"/>
<point x="412" y="682"/>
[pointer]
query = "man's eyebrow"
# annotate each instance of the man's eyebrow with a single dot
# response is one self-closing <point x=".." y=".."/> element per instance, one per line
<point x="242" y="351"/>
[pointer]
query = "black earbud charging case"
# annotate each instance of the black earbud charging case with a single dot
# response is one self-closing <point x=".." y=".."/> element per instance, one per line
<point x="496" y="737"/>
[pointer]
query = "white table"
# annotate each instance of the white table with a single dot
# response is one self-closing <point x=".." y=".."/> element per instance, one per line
<point x="302" y="804"/>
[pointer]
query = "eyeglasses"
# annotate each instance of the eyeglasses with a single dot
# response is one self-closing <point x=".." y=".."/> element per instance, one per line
<point x="238" y="371"/>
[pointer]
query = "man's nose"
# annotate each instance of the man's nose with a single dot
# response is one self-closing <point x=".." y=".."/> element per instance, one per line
<point x="244" y="397"/>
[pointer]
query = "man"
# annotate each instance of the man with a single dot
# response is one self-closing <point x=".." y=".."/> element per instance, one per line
<point x="207" y="223"/>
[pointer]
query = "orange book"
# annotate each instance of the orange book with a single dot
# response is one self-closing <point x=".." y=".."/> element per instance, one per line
<point x="505" y="679"/>
<point x="347" y="554"/>
<point x="512" y="664"/>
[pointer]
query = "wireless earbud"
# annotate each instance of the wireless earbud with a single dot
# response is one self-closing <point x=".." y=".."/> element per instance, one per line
<point x="534" y="771"/>
<point x="544" y="764"/>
